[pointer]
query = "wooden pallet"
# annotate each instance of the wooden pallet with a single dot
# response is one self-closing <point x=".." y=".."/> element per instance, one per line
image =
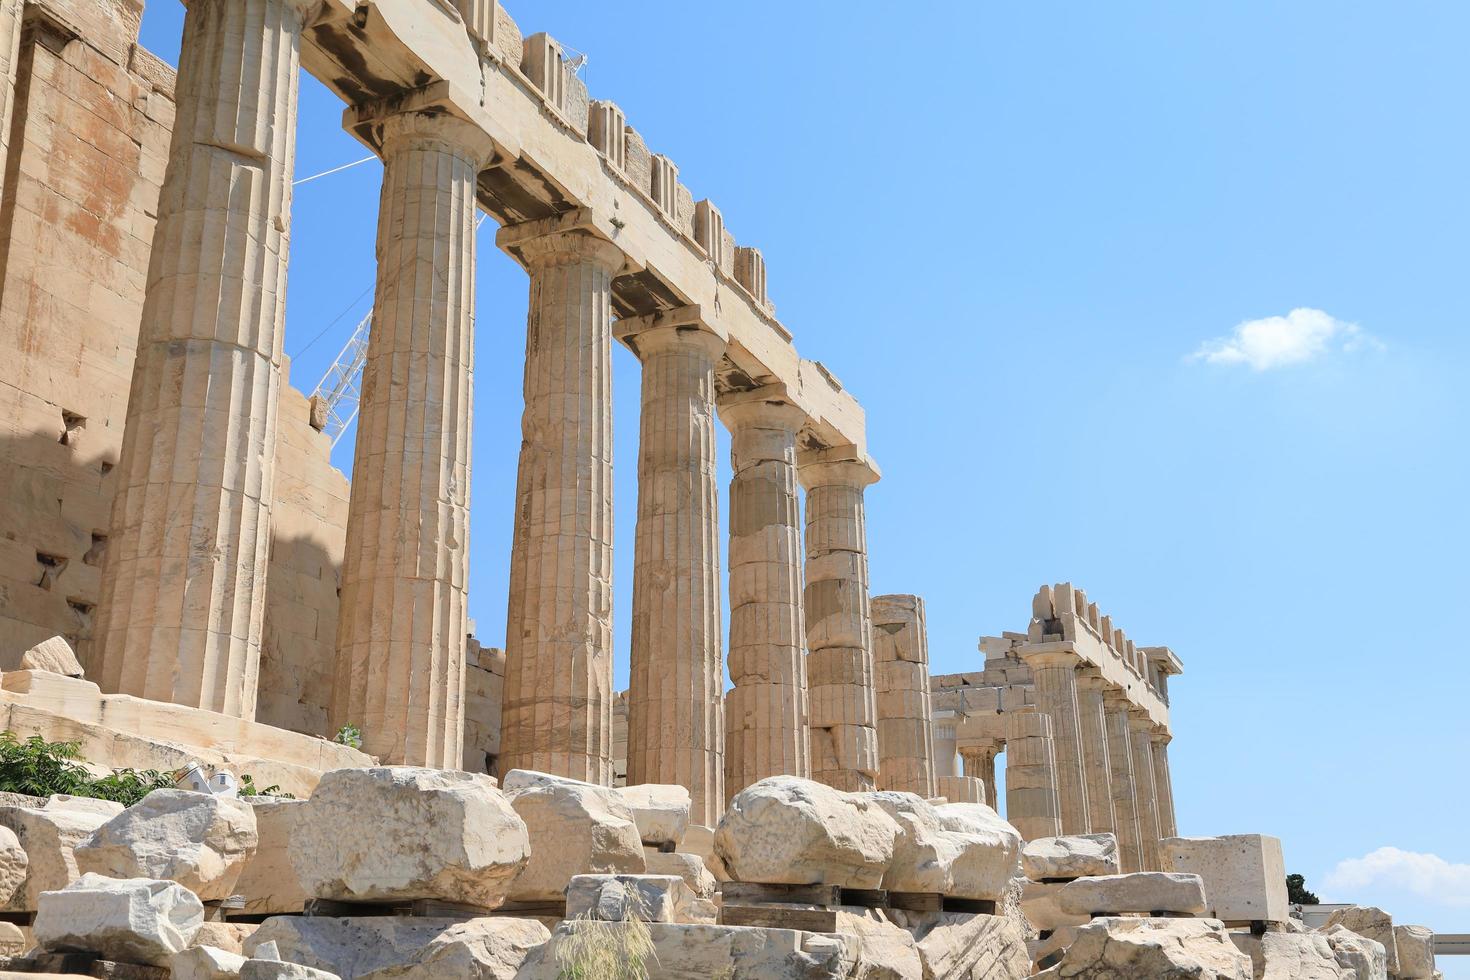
<point x="418" y="908"/>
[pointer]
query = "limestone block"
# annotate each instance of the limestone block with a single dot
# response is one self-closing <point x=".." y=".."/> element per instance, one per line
<point x="199" y="840"/>
<point x="399" y="948"/>
<point x="960" y="789"/>
<point x="1366" y="957"/>
<point x="1152" y="949"/>
<point x="49" y="835"/>
<point x="618" y="898"/>
<point x="961" y="946"/>
<point x="1143" y="891"/>
<point x="575" y="828"/>
<point x="131" y="920"/>
<point x="54" y="655"/>
<point x="269" y="881"/>
<point x="1245" y="875"/>
<point x="1048" y="858"/>
<point x="1291" y="956"/>
<point x="13" y="864"/>
<point x="228" y="936"/>
<point x="1039" y="905"/>
<point x="795" y="831"/>
<point x="404" y="832"/>
<point x="1415" y="947"/>
<point x="14" y="940"/>
<point x="660" y="811"/>
<point x="205" y="963"/>
<point x="965" y="852"/>
<point x="1370" y="923"/>
<point x="696" y="950"/>
<point x="887" y="951"/>
<point x="277" y="970"/>
<point x="690" y="867"/>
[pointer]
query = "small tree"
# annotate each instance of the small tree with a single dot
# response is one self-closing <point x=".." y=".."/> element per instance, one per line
<point x="1296" y="891"/>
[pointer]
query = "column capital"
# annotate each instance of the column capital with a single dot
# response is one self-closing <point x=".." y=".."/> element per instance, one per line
<point x="570" y="247"/>
<point x="436" y="129"/>
<point x="836" y="466"/>
<point x="683" y="327"/>
<point x="1052" y="656"/>
<point x="1116" y="697"/>
<point x="1090" y="678"/>
<point x="571" y="235"/>
<point x="426" y="115"/>
<point x="1139" y="721"/>
<point x="1160" y="735"/>
<point x="763" y="407"/>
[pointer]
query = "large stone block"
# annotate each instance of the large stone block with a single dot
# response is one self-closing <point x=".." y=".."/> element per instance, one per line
<point x="1040" y="906"/>
<point x="1365" y="957"/>
<point x="205" y="963"/>
<point x="1244" y="874"/>
<point x="1291" y="956"/>
<point x="690" y="867"/>
<point x="1152" y="949"/>
<point x="1371" y="923"/>
<point x="278" y="970"/>
<point x="401" y="832"/>
<point x="13" y="865"/>
<point x="575" y="828"/>
<point x="49" y="834"/>
<point x="382" y="947"/>
<point x="886" y="951"/>
<point x="269" y="882"/>
<point x="963" y="850"/>
<point x="131" y="920"/>
<point x="660" y="811"/>
<point x="1143" y="891"/>
<point x="1415" y="946"/>
<point x="618" y="898"/>
<point x="786" y="830"/>
<point x="961" y="946"/>
<point x="199" y="840"/>
<point x="54" y="655"/>
<point x="1084" y="855"/>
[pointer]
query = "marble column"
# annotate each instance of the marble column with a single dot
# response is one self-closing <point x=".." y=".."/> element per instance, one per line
<point x="839" y="630"/>
<point x="766" y="710"/>
<point x="183" y="584"/>
<point x="676" y="731"/>
<point x="1095" y="761"/>
<point x="1120" y="778"/>
<point x="557" y="705"/>
<point x="1139" y="729"/>
<point x="1054" y="673"/>
<point x="905" y="709"/>
<point x="10" y="25"/>
<point x="979" y="763"/>
<point x="1032" y="806"/>
<point x="1160" y="738"/>
<point x="400" y="667"/>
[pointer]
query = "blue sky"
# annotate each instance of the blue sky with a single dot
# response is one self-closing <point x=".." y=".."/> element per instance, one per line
<point x="1027" y="236"/>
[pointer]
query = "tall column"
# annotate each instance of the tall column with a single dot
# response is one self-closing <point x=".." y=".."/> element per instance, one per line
<point x="1032" y="806"/>
<point x="766" y="711"/>
<point x="557" y="706"/>
<point x="10" y="23"/>
<point x="1160" y="738"/>
<point x="839" y="630"/>
<point x="1120" y="770"/>
<point x="183" y="584"/>
<point x="676" y="731"/>
<point x="1139" y="729"/>
<point x="979" y="763"/>
<point x="905" y="710"/>
<point x="400" y="664"/>
<point x="1095" y="762"/>
<point x="1054" y="672"/>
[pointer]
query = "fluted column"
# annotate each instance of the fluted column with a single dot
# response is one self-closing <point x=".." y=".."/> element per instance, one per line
<point x="766" y="710"/>
<point x="1160" y="738"/>
<point x="676" y="731"/>
<point x="1120" y="770"/>
<point x="10" y="23"/>
<point x="1139" y="729"/>
<point x="183" y="584"/>
<point x="839" y="630"/>
<point x="402" y="626"/>
<point x="557" y="706"/>
<point x="905" y="709"/>
<point x="1095" y="762"/>
<point x="1054" y="672"/>
<point x="1032" y="806"/>
<point x="979" y="763"/>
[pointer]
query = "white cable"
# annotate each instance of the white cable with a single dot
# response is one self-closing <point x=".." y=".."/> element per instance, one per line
<point x="334" y="170"/>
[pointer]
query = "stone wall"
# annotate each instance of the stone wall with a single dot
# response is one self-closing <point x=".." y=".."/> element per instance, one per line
<point x="90" y="131"/>
<point x="483" y="683"/>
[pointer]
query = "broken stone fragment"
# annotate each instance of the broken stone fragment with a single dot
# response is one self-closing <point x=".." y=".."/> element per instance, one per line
<point x="1370" y="923"/>
<point x="1415" y="946"/>
<point x="269" y="882"/>
<point x="199" y="840"/>
<point x="130" y="920"/>
<point x="786" y="830"/>
<point x="1291" y="956"/>
<point x="1039" y="904"/>
<point x="660" y="811"/>
<point x="619" y="898"/>
<point x="486" y="949"/>
<point x="1365" y="957"/>
<point x="54" y="655"/>
<point x="886" y="951"/>
<point x="401" y="832"/>
<point x="964" y="946"/>
<point x="575" y="828"/>
<point x="1151" y="949"/>
<point x="13" y="864"/>
<point x="1142" y="891"/>
<point x="276" y="970"/>
<point x="205" y="963"/>
<point x="401" y="948"/>
<point x="49" y="834"/>
<point x="963" y="850"/>
<point x="687" y="866"/>
<point x="1079" y="856"/>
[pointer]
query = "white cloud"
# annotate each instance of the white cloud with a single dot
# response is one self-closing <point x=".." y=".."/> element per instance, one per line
<point x="1428" y="876"/>
<point x="1281" y="341"/>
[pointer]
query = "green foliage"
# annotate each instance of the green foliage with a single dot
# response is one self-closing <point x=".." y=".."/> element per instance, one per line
<point x="350" y="736"/>
<point x="248" y="788"/>
<point x="37" y="767"/>
<point x="596" y="950"/>
<point x="1296" y="891"/>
